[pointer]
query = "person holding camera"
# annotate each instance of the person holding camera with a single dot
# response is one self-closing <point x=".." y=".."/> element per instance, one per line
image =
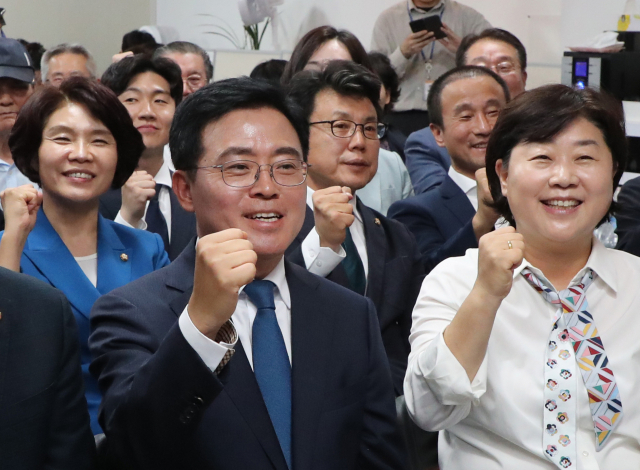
<point x="421" y="56"/>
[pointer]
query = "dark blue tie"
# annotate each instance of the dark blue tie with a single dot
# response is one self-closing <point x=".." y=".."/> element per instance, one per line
<point x="156" y="222"/>
<point x="271" y="363"/>
<point x="353" y="266"/>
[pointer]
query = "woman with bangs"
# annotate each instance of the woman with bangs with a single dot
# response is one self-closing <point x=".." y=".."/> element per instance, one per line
<point x="524" y="352"/>
<point x="76" y="143"/>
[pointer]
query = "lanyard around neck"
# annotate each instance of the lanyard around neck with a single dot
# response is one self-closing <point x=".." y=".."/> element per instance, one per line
<point x="433" y="44"/>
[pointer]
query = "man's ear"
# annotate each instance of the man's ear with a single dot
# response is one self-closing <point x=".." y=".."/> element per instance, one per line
<point x="438" y="134"/>
<point x="503" y="173"/>
<point x="182" y="188"/>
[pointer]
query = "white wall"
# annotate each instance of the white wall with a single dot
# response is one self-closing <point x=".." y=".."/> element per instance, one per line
<point x="536" y="23"/>
<point x="583" y="19"/>
<point x="98" y="25"/>
<point x="546" y="27"/>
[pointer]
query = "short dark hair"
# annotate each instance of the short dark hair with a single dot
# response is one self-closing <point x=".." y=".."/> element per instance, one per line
<point x="212" y="102"/>
<point x="102" y="104"/>
<point x="315" y="38"/>
<point x="144" y="49"/>
<point x="344" y="77"/>
<point x="494" y="34"/>
<point x="270" y="70"/>
<point x="184" y="47"/>
<point x="119" y="75"/>
<point x="434" y="100"/>
<point x="540" y="115"/>
<point x="35" y="51"/>
<point x="381" y="65"/>
<point x="136" y="38"/>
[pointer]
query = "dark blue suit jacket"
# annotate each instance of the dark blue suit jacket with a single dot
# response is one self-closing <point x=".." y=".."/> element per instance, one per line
<point x="426" y="161"/>
<point x="393" y="284"/>
<point x="164" y="409"/>
<point x="46" y="257"/>
<point x="628" y="217"/>
<point x="183" y="223"/>
<point x="440" y="219"/>
<point x="44" y="422"/>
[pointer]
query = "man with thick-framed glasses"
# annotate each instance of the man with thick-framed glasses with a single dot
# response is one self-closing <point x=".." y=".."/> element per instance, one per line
<point x="342" y="239"/>
<point x="233" y="357"/>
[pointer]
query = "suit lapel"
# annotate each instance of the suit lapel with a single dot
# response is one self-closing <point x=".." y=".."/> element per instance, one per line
<point x="307" y="225"/>
<point x="376" y="251"/>
<point x="183" y="226"/>
<point x="311" y="329"/>
<point x="242" y="388"/>
<point x="180" y="277"/>
<point x="5" y="344"/>
<point x="50" y="256"/>
<point x="456" y="201"/>
<point x="238" y="379"/>
<point x="114" y="269"/>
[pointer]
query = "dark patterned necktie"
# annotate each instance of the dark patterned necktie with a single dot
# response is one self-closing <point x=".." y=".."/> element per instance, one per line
<point x="156" y="222"/>
<point x="353" y="265"/>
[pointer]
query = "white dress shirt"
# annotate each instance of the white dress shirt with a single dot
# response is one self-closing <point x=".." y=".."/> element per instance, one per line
<point x="164" y="201"/>
<point x="166" y="155"/>
<point x="496" y="421"/>
<point x="468" y="185"/>
<point x="212" y="352"/>
<point x="322" y="260"/>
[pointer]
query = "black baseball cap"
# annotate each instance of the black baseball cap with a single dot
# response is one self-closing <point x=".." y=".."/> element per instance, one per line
<point x="15" y="61"/>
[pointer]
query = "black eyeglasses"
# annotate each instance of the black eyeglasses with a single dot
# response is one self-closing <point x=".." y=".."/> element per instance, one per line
<point x="245" y="173"/>
<point x="344" y="128"/>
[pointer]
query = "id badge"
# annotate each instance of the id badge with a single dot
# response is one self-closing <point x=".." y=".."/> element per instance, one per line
<point x="427" y="88"/>
<point x="428" y="82"/>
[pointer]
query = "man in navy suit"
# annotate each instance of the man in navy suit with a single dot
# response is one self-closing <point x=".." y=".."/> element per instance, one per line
<point x="494" y="48"/>
<point x="150" y="89"/>
<point x="204" y="367"/>
<point x="342" y="239"/>
<point x="464" y="105"/>
<point x="44" y="422"/>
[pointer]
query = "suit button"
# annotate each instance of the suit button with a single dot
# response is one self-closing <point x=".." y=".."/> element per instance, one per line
<point x="187" y="415"/>
<point x="198" y="402"/>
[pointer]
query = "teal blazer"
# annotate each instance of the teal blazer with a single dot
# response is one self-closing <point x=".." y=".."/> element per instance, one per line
<point x="124" y="254"/>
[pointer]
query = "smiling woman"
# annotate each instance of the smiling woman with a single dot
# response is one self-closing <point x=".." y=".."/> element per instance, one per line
<point x="76" y="142"/>
<point x="530" y="339"/>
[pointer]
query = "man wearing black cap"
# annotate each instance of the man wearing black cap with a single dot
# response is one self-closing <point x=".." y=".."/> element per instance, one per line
<point x="16" y="85"/>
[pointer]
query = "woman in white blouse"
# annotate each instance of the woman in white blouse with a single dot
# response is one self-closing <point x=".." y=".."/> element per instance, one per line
<point x="505" y="357"/>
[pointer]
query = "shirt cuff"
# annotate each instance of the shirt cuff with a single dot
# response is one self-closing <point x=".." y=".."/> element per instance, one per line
<point x="446" y="377"/>
<point x="142" y="225"/>
<point x="320" y="260"/>
<point x="215" y="354"/>
<point x="399" y="62"/>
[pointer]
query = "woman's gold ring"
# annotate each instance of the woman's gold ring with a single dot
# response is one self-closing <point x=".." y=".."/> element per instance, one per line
<point x="509" y="244"/>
